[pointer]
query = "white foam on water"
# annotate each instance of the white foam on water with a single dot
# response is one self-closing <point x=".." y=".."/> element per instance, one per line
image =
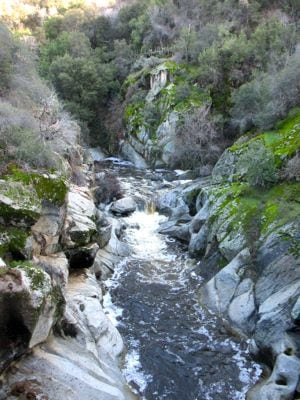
<point x="145" y="242"/>
<point x="132" y="369"/>
<point x="162" y="267"/>
<point x="113" y="312"/>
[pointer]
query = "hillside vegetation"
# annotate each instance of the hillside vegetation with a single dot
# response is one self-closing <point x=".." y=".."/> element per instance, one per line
<point x="231" y="66"/>
<point x="34" y="129"/>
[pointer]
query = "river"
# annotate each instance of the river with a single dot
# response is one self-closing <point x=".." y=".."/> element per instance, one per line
<point x="176" y="350"/>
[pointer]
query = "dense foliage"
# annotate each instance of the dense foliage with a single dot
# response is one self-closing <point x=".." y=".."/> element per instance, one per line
<point x="32" y="122"/>
<point x="240" y="54"/>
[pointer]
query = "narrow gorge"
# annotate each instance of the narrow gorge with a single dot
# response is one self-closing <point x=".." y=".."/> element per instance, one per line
<point x="149" y="200"/>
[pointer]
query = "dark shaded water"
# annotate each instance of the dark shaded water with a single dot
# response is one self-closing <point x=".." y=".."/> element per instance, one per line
<point x="176" y="349"/>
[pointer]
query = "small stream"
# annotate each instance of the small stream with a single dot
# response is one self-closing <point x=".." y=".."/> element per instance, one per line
<point x="176" y="349"/>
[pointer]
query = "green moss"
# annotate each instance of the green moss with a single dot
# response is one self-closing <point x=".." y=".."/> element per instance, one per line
<point x="222" y="262"/>
<point x="134" y="117"/>
<point x="53" y="189"/>
<point x="36" y="275"/>
<point x="12" y="240"/>
<point x="257" y="212"/>
<point x="134" y="78"/>
<point x="11" y="215"/>
<point x="181" y="94"/>
<point x="284" y="141"/>
<point x="282" y="205"/>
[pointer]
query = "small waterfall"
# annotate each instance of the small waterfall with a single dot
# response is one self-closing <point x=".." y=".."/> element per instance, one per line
<point x="150" y="207"/>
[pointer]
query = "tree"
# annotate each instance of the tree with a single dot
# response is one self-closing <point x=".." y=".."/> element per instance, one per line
<point x="257" y="165"/>
<point x="267" y="98"/>
<point x="196" y="140"/>
<point x="7" y="47"/>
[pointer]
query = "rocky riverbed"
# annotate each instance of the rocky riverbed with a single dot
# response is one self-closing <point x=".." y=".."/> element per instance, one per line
<point x="191" y="326"/>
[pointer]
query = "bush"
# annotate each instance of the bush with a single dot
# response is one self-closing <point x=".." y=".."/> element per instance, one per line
<point x="257" y="165"/>
<point x="109" y="188"/>
<point x="25" y="146"/>
<point x="268" y="98"/>
<point x="6" y="58"/>
<point x="196" y="141"/>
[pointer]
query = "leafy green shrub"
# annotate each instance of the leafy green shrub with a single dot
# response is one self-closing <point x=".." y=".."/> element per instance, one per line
<point x="257" y="165"/>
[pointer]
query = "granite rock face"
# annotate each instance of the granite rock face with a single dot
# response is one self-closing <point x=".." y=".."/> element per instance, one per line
<point x="79" y="226"/>
<point x="79" y="363"/>
<point x="256" y="287"/>
<point x="29" y="306"/>
<point x="52" y="305"/>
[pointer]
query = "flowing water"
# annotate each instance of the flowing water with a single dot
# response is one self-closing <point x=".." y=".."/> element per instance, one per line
<point x="176" y="349"/>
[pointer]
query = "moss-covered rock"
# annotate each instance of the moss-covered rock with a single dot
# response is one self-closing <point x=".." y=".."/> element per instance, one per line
<point x="19" y="203"/>
<point x="52" y="188"/>
<point x="28" y="304"/>
<point x="12" y="241"/>
<point x="152" y="119"/>
<point x="281" y="144"/>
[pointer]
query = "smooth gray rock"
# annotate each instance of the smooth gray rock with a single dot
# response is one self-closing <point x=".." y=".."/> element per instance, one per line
<point x="123" y="206"/>
<point x="218" y="293"/>
<point x="182" y="211"/>
<point x="278" y="267"/>
<point x="198" y="242"/>
<point x="296" y="312"/>
<point x="95" y="153"/>
<point x="79" y="226"/>
<point x="129" y="153"/>
<point x="275" y="318"/>
<point x="83" y="362"/>
<point x="180" y="232"/>
<point x="282" y="383"/>
<point x="56" y="266"/>
<point x="168" y="200"/>
<point x="166" y="137"/>
<point x="104" y="235"/>
<point x="225" y="167"/>
<point x="200" y="218"/>
<point x="242" y="309"/>
<point x="46" y="231"/>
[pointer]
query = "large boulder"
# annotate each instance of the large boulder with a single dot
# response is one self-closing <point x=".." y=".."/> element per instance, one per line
<point x="277" y="289"/>
<point x="79" y="226"/>
<point x="129" y="153"/>
<point x="82" y="362"/>
<point x="176" y="230"/>
<point x="124" y="206"/>
<point x="46" y="231"/>
<point x="230" y="293"/>
<point x="29" y="306"/>
<point x="282" y="383"/>
<point x="19" y="203"/>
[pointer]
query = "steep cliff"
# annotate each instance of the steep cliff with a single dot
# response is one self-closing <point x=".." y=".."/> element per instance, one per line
<point x="245" y="230"/>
